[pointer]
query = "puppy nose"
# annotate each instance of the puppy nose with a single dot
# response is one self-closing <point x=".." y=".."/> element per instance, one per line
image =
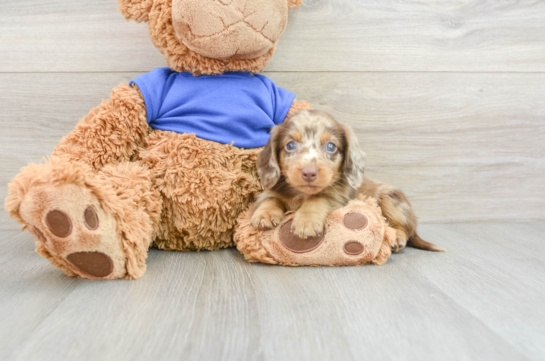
<point x="309" y="174"/>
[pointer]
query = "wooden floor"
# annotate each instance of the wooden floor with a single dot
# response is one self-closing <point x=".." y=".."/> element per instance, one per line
<point x="482" y="300"/>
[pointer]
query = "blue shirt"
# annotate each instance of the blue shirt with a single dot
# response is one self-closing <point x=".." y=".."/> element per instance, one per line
<point x="237" y="107"/>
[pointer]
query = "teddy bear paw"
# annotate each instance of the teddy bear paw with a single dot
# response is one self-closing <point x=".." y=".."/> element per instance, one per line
<point x="356" y="234"/>
<point x="341" y="239"/>
<point x="74" y="232"/>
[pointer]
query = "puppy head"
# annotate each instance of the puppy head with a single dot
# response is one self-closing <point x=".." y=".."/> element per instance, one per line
<point x="312" y="151"/>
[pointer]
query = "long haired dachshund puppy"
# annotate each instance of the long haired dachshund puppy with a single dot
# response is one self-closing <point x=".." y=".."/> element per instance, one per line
<point x="313" y="165"/>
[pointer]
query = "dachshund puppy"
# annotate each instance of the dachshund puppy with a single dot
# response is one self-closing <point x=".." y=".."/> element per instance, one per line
<point x="313" y="165"/>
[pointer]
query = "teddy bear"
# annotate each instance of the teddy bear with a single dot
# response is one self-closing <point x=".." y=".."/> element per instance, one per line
<point x="169" y="160"/>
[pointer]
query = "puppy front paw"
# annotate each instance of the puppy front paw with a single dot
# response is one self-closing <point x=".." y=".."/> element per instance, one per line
<point x="305" y="225"/>
<point x="267" y="217"/>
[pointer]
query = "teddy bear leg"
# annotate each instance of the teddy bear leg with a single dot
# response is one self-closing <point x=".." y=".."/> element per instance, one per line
<point x="205" y="186"/>
<point x="92" y="225"/>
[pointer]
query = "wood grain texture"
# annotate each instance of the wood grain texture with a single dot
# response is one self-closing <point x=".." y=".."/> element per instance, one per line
<point x="322" y="35"/>
<point x="464" y="147"/>
<point x="482" y="300"/>
<point x="493" y="266"/>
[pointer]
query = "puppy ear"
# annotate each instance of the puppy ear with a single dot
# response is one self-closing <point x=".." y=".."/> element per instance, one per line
<point x="294" y="3"/>
<point x="267" y="162"/>
<point x="137" y="10"/>
<point x="354" y="159"/>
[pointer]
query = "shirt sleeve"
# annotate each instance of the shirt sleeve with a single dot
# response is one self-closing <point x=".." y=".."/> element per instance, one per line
<point x="282" y="99"/>
<point x="152" y="87"/>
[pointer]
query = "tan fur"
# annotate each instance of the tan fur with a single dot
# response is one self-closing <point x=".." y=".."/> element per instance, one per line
<point x="248" y="240"/>
<point x="111" y="133"/>
<point x="158" y="13"/>
<point x="294" y="3"/>
<point x="325" y="136"/>
<point x="199" y="180"/>
<point x="137" y="10"/>
<point x="297" y="106"/>
<point x="385" y="248"/>
<point x="297" y="136"/>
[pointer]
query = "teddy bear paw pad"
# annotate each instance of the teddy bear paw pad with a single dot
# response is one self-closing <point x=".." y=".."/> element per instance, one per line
<point x="296" y="244"/>
<point x="353" y="248"/>
<point x="93" y="263"/>
<point x="96" y="264"/>
<point x="74" y="231"/>
<point x="90" y="218"/>
<point x="59" y="223"/>
<point x="355" y="220"/>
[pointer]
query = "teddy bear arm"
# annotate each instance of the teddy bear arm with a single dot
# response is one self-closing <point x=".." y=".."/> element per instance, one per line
<point x="294" y="3"/>
<point x="111" y="133"/>
<point x="298" y="105"/>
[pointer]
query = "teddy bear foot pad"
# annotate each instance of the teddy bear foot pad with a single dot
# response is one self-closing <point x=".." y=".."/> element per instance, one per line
<point x="74" y="232"/>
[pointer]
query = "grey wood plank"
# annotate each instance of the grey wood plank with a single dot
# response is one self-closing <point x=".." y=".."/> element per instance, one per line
<point x="389" y="305"/>
<point x="496" y="272"/>
<point x="537" y="226"/>
<point x="214" y="305"/>
<point x="30" y="290"/>
<point x="355" y="35"/>
<point x="465" y="147"/>
<point x="528" y="239"/>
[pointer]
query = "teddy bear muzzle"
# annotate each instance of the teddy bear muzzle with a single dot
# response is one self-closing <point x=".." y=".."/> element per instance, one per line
<point x="238" y="29"/>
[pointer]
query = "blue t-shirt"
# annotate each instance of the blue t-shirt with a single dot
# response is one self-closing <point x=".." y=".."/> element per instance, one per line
<point x="237" y="107"/>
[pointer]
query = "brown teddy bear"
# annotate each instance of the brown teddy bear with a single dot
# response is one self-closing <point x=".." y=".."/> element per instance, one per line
<point x="169" y="160"/>
<point x="126" y="178"/>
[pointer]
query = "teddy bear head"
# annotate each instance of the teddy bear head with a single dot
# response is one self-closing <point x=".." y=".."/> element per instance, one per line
<point x="212" y="36"/>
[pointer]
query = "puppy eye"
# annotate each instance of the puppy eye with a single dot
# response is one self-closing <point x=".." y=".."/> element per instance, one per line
<point x="290" y="147"/>
<point x="330" y="147"/>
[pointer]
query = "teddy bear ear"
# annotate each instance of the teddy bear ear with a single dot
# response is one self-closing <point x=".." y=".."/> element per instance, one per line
<point x="294" y="3"/>
<point x="137" y="10"/>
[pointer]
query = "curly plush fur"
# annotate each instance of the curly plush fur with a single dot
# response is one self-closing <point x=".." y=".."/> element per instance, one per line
<point x="123" y="192"/>
<point x="156" y="186"/>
